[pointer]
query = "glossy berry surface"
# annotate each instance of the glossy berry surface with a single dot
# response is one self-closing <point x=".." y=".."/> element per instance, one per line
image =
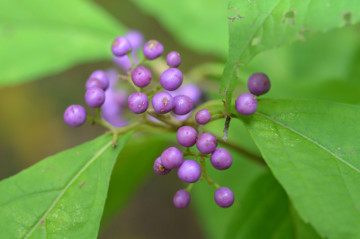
<point x="189" y="171"/>
<point x="186" y="136"/>
<point x="93" y="82"/>
<point x="182" y="105"/>
<point x="95" y="97"/>
<point x="162" y="102"/>
<point x="153" y="49"/>
<point x="206" y="143"/>
<point x="75" y="115"/>
<point x="171" y="79"/>
<point x="203" y="116"/>
<point x="246" y="104"/>
<point x="141" y="76"/>
<point x="181" y="199"/>
<point x="121" y="46"/>
<point x="173" y="59"/>
<point x="224" y="197"/>
<point x="192" y="91"/>
<point x="159" y="168"/>
<point x="258" y="83"/>
<point x="172" y="158"/>
<point x="221" y="159"/>
<point x="138" y="102"/>
<point x="101" y="76"/>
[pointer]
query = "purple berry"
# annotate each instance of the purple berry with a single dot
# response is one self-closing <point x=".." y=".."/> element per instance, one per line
<point x="182" y="105"/>
<point x="186" y="136"/>
<point x="203" y="116"/>
<point x="206" y="143"/>
<point x="246" y="104"/>
<point x="75" y="115"/>
<point x="123" y="62"/>
<point x="135" y="38"/>
<point x="221" y="159"/>
<point x="172" y="158"/>
<point x="121" y="46"/>
<point x="153" y="49"/>
<point x="181" y="198"/>
<point x="159" y="168"/>
<point x="191" y="90"/>
<point x="162" y="102"/>
<point x="138" y="102"/>
<point x="173" y="59"/>
<point x="189" y="171"/>
<point x="112" y="109"/>
<point x="141" y="76"/>
<point x="95" y="97"/>
<point x="101" y="76"/>
<point x="93" y="82"/>
<point x="183" y="117"/>
<point x="258" y="83"/>
<point x="171" y="79"/>
<point x="224" y="197"/>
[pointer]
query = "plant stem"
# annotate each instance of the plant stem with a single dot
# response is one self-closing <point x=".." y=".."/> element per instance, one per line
<point x="205" y="176"/>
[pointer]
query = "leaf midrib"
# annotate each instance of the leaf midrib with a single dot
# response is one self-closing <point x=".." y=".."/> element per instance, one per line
<point x="63" y="191"/>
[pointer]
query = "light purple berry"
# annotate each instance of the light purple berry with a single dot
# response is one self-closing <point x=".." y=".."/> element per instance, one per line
<point x="135" y="38"/>
<point x="186" y="136"/>
<point x="123" y="62"/>
<point x="121" y="46"/>
<point x="162" y="102"/>
<point x="101" y="76"/>
<point x="258" y="83"/>
<point x="189" y="171"/>
<point x="93" y="82"/>
<point x="206" y="143"/>
<point x="221" y="159"/>
<point x="181" y="199"/>
<point x="224" y="197"/>
<point x="141" y="76"/>
<point x="172" y="158"/>
<point x="95" y="97"/>
<point x="75" y="115"/>
<point x="203" y="116"/>
<point x="159" y="168"/>
<point x="183" y="117"/>
<point x="171" y="79"/>
<point x="182" y="104"/>
<point x="112" y="109"/>
<point x="191" y="90"/>
<point x="153" y="49"/>
<point x="138" y="102"/>
<point x="246" y="104"/>
<point x="173" y="59"/>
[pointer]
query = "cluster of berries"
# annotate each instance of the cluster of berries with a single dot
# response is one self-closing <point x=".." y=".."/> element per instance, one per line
<point x="102" y="94"/>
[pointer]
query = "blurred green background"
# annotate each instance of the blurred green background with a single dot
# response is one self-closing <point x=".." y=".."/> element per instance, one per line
<point x="323" y="66"/>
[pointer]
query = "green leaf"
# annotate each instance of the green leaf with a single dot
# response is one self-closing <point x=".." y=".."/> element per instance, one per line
<point x="200" y="25"/>
<point x="266" y="212"/>
<point x="256" y="26"/>
<point x="41" y="37"/>
<point x="312" y="147"/>
<point x="62" y="196"/>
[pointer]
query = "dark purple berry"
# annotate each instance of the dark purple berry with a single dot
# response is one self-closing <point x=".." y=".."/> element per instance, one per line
<point x="182" y="105"/>
<point x="95" y="97"/>
<point x="141" y="76"/>
<point x="186" y="136"/>
<point x="75" y="115"/>
<point x="93" y="82"/>
<point x="206" y="143"/>
<point x="171" y="79"/>
<point x="172" y="158"/>
<point x="246" y="104"/>
<point x="159" y="168"/>
<point x="221" y="159"/>
<point x="258" y="83"/>
<point x="203" y="116"/>
<point x="121" y="46"/>
<point x="101" y="76"/>
<point x="191" y="90"/>
<point x="135" y="38"/>
<point x="162" y="102"/>
<point x="173" y="59"/>
<point x="181" y="198"/>
<point x="153" y="49"/>
<point x="224" y="197"/>
<point x="138" y="102"/>
<point x="189" y="171"/>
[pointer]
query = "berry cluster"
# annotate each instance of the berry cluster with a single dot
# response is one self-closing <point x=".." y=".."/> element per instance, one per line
<point x="171" y="107"/>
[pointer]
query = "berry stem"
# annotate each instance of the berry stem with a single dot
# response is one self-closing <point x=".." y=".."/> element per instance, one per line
<point x="189" y="187"/>
<point x="137" y="89"/>
<point x="204" y="174"/>
<point x="188" y="153"/>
